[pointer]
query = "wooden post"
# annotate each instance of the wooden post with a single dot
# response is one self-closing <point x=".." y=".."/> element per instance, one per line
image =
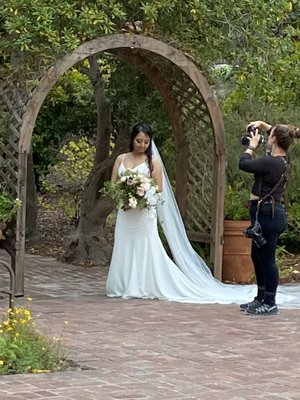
<point x="20" y="231"/>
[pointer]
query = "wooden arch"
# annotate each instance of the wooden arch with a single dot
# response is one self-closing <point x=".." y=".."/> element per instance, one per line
<point x="196" y="123"/>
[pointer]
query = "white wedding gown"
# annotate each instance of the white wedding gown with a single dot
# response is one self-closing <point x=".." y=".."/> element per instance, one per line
<point x="141" y="268"/>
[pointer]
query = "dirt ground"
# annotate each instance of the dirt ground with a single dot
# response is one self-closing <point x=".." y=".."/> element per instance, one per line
<point x="55" y="231"/>
<point x="54" y="235"/>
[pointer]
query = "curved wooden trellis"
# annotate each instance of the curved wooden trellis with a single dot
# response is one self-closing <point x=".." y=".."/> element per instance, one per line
<point x="196" y="122"/>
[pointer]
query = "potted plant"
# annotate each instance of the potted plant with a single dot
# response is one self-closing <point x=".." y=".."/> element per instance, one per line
<point x="237" y="264"/>
<point x="236" y="202"/>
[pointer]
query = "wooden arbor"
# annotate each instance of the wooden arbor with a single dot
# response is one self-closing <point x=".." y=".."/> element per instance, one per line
<point x="196" y="123"/>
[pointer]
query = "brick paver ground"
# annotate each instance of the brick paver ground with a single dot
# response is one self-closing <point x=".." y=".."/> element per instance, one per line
<point x="142" y="349"/>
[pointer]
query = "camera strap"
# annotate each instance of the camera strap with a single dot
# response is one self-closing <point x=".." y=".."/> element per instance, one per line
<point x="283" y="178"/>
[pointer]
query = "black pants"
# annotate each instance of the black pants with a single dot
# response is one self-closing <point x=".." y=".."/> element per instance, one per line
<point x="273" y="220"/>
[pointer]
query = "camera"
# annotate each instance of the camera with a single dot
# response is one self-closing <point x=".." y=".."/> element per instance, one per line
<point x="254" y="233"/>
<point x="245" y="140"/>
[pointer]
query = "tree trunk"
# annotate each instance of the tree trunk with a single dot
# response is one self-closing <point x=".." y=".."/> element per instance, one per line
<point x="89" y="245"/>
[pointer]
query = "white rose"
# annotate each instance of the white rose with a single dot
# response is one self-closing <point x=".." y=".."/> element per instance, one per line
<point x="132" y="202"/>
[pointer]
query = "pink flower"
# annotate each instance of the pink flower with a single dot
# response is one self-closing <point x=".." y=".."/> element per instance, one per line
<point x="129" y="181"/>
<point x="140" y="192"/>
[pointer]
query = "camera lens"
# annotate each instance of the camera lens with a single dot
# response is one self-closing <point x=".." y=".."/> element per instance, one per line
<point x="259" y="240"/>
<point x="245" y="140"/>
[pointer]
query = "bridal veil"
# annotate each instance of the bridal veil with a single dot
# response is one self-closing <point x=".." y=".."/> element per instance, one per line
<point x="193" y="266"/>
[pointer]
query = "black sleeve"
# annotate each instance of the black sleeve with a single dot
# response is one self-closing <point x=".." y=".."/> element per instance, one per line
<point x="253" y="165"/>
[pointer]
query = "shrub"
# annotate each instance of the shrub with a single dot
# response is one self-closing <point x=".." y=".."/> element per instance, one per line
<point x="236" y="202"/>
<point x="8" y="207"/>
<point x="65" y="181"/>
<point x="23" y="349"/>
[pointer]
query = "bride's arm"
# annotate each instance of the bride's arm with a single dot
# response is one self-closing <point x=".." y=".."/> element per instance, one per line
<point x="114" y="174"/>
<point x="157" y="173"/>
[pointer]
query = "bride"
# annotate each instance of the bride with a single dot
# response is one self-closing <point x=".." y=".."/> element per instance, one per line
<point x="140" y="266"/>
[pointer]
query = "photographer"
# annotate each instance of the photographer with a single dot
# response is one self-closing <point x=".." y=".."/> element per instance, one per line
<point x="268" y="216"/>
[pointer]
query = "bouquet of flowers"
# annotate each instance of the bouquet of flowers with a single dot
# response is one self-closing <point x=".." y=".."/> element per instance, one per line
<point x="132" y="190"/>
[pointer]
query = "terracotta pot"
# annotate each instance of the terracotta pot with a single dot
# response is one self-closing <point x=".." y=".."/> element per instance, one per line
<point x="237" y="264"/>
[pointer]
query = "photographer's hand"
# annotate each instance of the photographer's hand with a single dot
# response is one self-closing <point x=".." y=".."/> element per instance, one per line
<point x="261" y="125"/>
<point x="253" y="142"/>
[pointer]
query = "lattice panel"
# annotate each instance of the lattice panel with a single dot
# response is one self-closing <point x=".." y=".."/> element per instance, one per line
<point x="198" y="130"/>
<point x="200" y="183"/>
<point x="200" y="178"/>
<point x="13" y="100"/>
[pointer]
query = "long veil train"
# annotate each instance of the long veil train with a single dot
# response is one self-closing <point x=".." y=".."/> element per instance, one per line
<point x="192" y="265"/>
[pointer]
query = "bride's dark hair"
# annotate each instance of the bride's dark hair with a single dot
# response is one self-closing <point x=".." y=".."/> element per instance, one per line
<point x="147" y="130"/>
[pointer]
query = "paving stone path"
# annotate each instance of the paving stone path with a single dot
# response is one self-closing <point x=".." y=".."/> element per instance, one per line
<point x="142" y="349"/>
